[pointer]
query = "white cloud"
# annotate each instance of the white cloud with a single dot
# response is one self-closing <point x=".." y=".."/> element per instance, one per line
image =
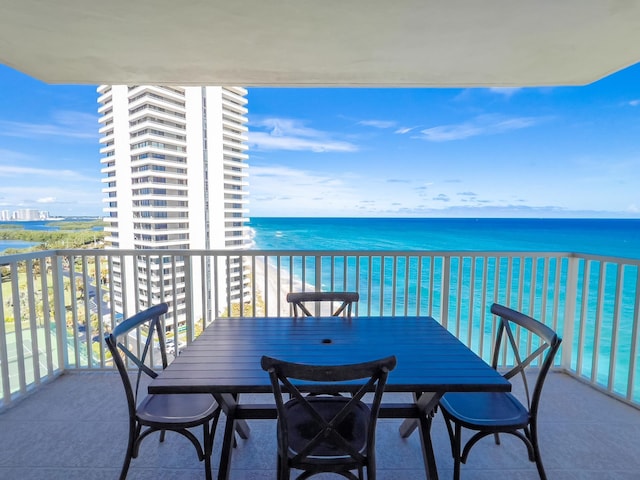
<point x="285" y="191"/>
<point x="266" y="141"/>
<point x="29" y="172"/>
<point x="289" y="134"/>
<point x="84" y="198"/>
<point x="506" y="91"/>
<point x="66" y="124"/>
<point x="377" y="123"/>
<point x="634" y="103"/>
<point x="403" y="130"/>
<point x="280" y="190"/>
<point x="60" y="191"/>
<point x="284" y="179"/>
<point x="13" y="156"/>
<point x="481" y="125"/>
<point x="287" y="126"/>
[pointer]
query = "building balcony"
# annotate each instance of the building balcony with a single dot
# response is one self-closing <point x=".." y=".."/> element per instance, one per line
<point x="62" y="409"/>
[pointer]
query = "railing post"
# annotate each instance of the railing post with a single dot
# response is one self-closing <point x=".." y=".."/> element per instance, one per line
<point x="60" y="309"/>
<point x="318" y="281"/>
<point x="444" y="291"/>
<point x="188" y="297"/>
<point x="570" y="299"/>
<point x="4" y="356"/>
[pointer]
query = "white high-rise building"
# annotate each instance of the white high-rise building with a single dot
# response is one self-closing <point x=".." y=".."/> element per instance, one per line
<point x="175" y="177"/>
<point x="27" y="214"/>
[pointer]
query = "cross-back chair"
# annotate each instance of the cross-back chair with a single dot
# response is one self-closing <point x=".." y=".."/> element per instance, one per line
<point x="132" y="344"/>
<point x="325" y="432"/>
<point x="345" y="300"/>
<point x="525" y="341"/>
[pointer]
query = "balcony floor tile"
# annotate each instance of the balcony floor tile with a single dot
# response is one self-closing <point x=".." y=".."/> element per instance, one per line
<point x="75" y="427"/>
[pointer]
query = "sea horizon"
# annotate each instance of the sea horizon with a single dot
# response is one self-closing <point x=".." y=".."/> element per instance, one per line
<point x="597" y="236"/>
<point x="610" y="237"/>
<point x="604" y="237"/>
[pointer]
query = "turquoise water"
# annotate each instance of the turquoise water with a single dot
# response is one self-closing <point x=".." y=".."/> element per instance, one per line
<point x="595" y="236"/>
<point x="6" y="244"/>
<point x="619" y="238"/>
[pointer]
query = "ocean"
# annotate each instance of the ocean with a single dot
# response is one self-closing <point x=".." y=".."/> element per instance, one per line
<point x="616" y="238"/>
<point x="612" y="237"/>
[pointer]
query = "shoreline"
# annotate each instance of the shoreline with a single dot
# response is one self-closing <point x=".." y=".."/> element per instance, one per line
<point x="267" y="278"/>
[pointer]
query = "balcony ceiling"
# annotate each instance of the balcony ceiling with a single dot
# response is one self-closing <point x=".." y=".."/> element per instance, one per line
<point x="320" y="43"/>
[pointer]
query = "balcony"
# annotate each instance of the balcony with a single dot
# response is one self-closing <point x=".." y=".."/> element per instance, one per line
<point x="62" y="409"/>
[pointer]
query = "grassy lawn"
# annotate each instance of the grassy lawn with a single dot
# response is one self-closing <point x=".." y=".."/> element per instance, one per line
<point x="7" y="296"/>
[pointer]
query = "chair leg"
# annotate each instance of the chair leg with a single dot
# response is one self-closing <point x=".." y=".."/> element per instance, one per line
<point x="457" y="452"/>
<point x="533" y="437"/>
<point x="130" y="450"/>
<point x="208" y="448"/>
<point x="455" y="439"/>
<point x="207" y="468"/>
<point x="284" y="472"/>
<point x="125" y="466"/>
<point x="279" y="468"/>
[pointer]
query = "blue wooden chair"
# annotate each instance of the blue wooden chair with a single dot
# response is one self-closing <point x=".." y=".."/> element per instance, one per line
<point x="325" y="432"/>
<point x="344" y="299"/>
<point x="495" y="413"/>
<point x="131" y="348"/>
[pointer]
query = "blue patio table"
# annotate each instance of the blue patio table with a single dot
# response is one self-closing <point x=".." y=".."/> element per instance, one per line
<point x="225" y="361"/>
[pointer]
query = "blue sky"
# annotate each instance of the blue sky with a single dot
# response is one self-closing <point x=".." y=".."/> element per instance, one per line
<point x="530" y="152"/>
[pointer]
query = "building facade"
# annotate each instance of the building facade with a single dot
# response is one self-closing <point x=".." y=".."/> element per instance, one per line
<point x="28" y="215"/>
<point x="174" y="167"/>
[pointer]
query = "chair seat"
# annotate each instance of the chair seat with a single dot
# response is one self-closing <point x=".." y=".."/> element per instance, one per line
<point x="303" y="427"/>
<point x="183" y="411"/>
<point x="482" y="411"/>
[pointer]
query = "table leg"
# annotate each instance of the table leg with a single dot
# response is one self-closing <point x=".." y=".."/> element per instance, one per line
<point x="227" y="449"/>
<point x="426" y="403"/>
<point x="228" y="402"/>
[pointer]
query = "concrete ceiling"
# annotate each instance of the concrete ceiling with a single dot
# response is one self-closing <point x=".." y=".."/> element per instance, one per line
<point x="320" y="43"/>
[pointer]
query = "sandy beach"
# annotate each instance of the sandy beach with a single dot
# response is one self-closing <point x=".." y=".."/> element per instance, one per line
<point x="270" y="297"/>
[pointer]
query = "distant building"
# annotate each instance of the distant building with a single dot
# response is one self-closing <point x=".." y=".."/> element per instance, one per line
<point x="26" y="215"/>
<point x="23" y="215"/>
<point x="175" y="177"/>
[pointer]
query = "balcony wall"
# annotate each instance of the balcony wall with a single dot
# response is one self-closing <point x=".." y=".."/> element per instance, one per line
<point x="66" y="301"/>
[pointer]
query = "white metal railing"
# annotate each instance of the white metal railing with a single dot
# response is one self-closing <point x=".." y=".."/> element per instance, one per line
<point x="67" y="300"/>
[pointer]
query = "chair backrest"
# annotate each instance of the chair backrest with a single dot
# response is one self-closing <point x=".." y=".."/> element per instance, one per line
<point x="346" y="300"/>
<point x="330" y="380"/>
<point x="525" y="341"/>
<point x="131" y="349"/>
